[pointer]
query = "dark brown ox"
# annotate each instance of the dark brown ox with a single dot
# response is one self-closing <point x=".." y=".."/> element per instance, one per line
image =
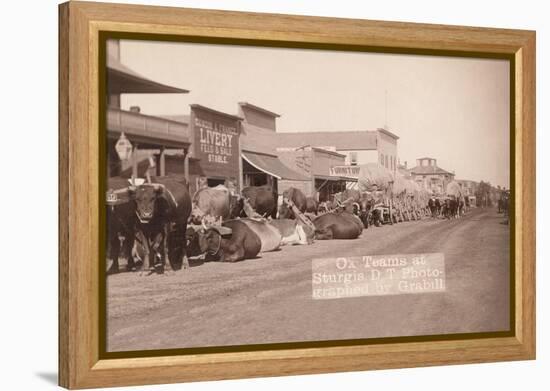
<point x="248" y="238"/>
<point x="262" y="199"/>
<point x="162" y="209"/>
<point x="121" y="224"/>
<point x="349" y="200"/>
<point x="360" y="204"/>
<point x="214" y="202"/>
<point x="337" y="225"/>
<point x="299" y="200"/>
<point x="312" y="205"/>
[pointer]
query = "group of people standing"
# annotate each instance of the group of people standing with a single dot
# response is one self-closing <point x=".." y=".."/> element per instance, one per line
<point x="448" y="207"/>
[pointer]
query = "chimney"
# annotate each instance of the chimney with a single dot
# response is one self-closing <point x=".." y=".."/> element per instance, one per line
<point x="135" y="109"/>
<point x="405" y="164"/>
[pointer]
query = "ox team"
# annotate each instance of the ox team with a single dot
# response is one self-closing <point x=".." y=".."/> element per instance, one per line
<point x="159" y="224"/>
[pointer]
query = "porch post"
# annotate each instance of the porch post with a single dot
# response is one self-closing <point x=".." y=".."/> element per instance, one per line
<point x="134" y="161"/>
<point x="186" y="165"/>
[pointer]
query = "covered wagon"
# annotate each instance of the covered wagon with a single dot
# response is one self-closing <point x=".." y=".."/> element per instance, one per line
<point x="377" y="182"/>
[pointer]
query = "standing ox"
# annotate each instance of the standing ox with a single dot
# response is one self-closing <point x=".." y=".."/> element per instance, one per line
<point x="261" y="198"/>
<point x="121" y="223"/>
<point x="214" y="202"/>
<point x="312" y="205"/>
<point x="367" y="213"/>
<point x="298" y="199"/>
<point x="163" y="209"/>
<point x="248" y="238"/>
<point x="450" y="208"/>
<point x="339" y="225"/>
<point x="431" y="206"/>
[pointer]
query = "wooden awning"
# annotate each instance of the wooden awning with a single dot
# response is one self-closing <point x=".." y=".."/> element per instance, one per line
<point x="271" y="165"/>
<point x="123" y="80"/>
<point x="148" y="131"/>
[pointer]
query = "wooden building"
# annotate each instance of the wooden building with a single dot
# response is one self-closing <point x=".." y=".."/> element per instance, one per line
<point x="430" y="176"/>
<point x="260" y="160"/>
<point x="148" y="134"/>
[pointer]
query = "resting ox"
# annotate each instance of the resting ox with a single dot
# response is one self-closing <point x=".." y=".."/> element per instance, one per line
<point x="337" y="225"/>
<point x="293" y="231"/>
<point x="247" y="238"/>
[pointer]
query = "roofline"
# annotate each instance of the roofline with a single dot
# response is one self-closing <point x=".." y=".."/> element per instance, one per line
<point x="411" y="170"/>
<point x="326" y="131"/>
<point x="201" y="107"/>
<point x="327" y="151"/>
<point x="357" y="149"/>
<point x="388" y="133"/>
<point x="466" y="180"/>
<point x="258" y="153"/>
<point x="143" y="79"/>
<point x="168" y="117"/>
<point x="258" y="108"/>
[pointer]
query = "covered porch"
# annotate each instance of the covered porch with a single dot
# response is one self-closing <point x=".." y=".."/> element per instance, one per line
<point x="149" y="136"/>
<point x="264" y="169"/>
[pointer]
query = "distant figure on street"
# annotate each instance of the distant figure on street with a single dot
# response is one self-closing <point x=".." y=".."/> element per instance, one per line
<point x="431" y="205"/>
<point x="437" y="207"/>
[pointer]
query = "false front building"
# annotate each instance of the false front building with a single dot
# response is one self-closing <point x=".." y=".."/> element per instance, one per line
<point x="431" y="177"/>
<point x="261" y="164"/>
<point x="332" y="159"/>
<point x="145" y="132"/>
<point x="234" y="150"/>
<point x="357" y="147"/>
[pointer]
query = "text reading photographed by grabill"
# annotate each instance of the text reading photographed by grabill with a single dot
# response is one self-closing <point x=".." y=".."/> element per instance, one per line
<point x="335" y="278"/>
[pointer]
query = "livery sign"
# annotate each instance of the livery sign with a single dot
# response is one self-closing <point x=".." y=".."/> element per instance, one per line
<point x="216" y="142"/>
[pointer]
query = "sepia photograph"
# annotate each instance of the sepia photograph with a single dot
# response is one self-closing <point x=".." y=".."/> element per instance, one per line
<point x="262" y="195"/>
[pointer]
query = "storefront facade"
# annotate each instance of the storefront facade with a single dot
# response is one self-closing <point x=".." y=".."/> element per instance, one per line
<point x="232" y="150"/>
<point x="215" y="152"/>
<point x="316" y="165"/>
<point x="260" y="161"/>
<point x="149" y="136"/>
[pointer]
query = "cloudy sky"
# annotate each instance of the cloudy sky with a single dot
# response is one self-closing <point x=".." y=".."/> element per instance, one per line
<point x="453" y="109"/>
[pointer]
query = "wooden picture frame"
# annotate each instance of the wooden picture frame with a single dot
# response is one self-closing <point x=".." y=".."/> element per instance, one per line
<point x="80" y="364"/>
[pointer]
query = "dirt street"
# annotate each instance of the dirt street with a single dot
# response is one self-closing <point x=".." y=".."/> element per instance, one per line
<point x="269" y="299"/>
